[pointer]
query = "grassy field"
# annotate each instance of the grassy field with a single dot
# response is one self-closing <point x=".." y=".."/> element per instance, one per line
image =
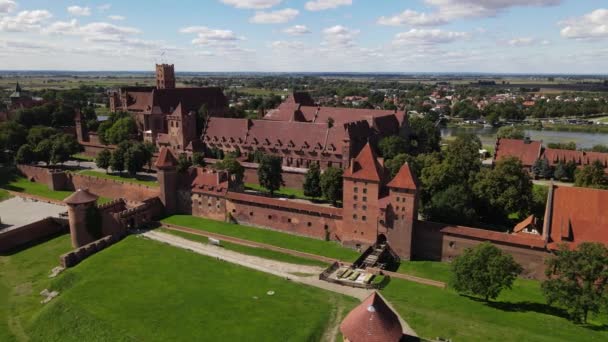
<point x="309" y="245"/>
<point x="25" y="186"/>
<point x="260" y="91"/>
<point x="123" y="178"/>
<point x="82" y="157"/>
<point x="142" y="290"/>
<point x="4" y="195"/>
<point x="262" y="253"/>
<point x="519" y="314"/>
<point x="285" y="192"/>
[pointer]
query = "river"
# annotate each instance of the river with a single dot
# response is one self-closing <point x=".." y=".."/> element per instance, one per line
<point x="488" y="136"/>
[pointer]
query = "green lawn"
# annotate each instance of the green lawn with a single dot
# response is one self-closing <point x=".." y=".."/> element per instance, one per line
<point x="263" y="253"/>
<point x="286" y="192"/>
<point x="38" y="189"/>
<point x="122" y="178"/>
<point x="519" y="314"/>
<point x="4" y="195"/>
<point x="309" y="245"/>
<point x="82" y="157"/>
<point x="142" y="290"/>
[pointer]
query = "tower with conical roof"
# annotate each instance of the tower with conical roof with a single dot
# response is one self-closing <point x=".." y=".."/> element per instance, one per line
<point x="372" y="321"/>
<point x="80" y="204"/>
<point x="167" y="179"/>
<point x="402" y="212"/>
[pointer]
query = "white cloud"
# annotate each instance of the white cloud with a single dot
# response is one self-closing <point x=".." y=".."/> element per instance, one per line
<point x="79" y="11"/>
<point x="428" y="37"/>
<point x="116" y="17"/>
<point x="527" y="41"/>
<point x="206" y="36"/>
<point x="446" y="11"/>
<point x="274" y="17"/>
<point x="104" y="7"/>
<point x="321" y="5"/>
<point x="297" y="30"/>
<point x="7" y="6"/>
<point x="93" y="32"/>
<point x="253" y="4"/>
<point x="590" y="26"/>
<point x="281" y="44"/>
<point x="339" y="36"/>
<point x="24" y="20"/>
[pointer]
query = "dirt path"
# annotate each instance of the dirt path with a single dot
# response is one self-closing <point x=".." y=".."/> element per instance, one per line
<point x="278" y="268"/>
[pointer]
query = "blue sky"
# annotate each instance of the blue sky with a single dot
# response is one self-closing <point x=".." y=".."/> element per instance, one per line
<point x="516" y="36"/>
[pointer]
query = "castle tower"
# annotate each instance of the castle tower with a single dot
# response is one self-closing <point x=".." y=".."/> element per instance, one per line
<point x="165" y="76"/>
<point x="181" y="127"/>
<point x="403" y="211"/>
<point x="167" y="179"/>
<point x="372" y="320"/>
<point x="80" y="204"/>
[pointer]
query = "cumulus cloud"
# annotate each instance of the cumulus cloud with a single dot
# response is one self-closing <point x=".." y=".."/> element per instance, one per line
<point x="321" y="5"/>
<point x="446" y="11"/>
<point x="339" y="36"/>
<point x="117" y="17"/>
<point x="527" y="41"/>
<point x="297" y="30"/>
<point x="274" y="17"/>
<point x="593" y="25"/>
<point x="7" y="6"/>
<point x="428" y="37"/>
<point x="207" y="36"/>
<point x="79" y="11"/>
<point x="281" y="44"/>
<point x="253" y="4"/>
<point x="93" y="32"/>
<point x="24" y="20"/>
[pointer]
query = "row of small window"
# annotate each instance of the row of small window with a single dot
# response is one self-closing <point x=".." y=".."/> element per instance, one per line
<point x="176" y="124"/>
<point x="363" y="207"/>
<point x="363" y="218"/>
<point x="356" y="189"/>
<point x="270" y="217"/>
<point x="200" y="204"/>
<point x="364" y="199"/>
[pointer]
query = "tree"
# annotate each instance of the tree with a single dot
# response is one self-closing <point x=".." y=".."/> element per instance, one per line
<point x="391" y="146"/>
<point x="135" y="158"/>
<point x="394" y="164"/>
<point x="269" y="173"/>
<point x="578" y="279"/>
<point x="484" y="271"/>
<point x="103" y="159"/>
<point x="600" y="148"/>
<point x="183" y="164"/>
<point x="425" y="136"/>
<point x="542" y="169"/>
<point x="43" y="151"/>
<point x="25" y="155"/>
<point x="331" y="184"/>
<point x="234" y="168"/>
<point x="120" y="131"/>
<point x="12" y="135"/>
<point x="454" y="205"/>
<point x="38" y="133"/>
<point x="198" y="159"/>
<point x="510" y="132"/>
<point x="149" y="150"/>
<point x="312" y="181"/>
<point x="64" y="146"/>
<point x="502" y="191"/>
<point x="201" y="117"/>
<point x="117" y="162"/>
<point x="560" y="171"/>
<point x="591" y="176"/>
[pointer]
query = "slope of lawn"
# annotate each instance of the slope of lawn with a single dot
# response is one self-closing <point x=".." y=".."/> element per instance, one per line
<point x="262" y="253"/>
<point x="286" y="192"/>
<point x="123" y="177"/>
<point x="4" y="195"/>
<point x="519" y="314"/>
<point x="303" y="244"/>
<point x="142" y="290"/>
<point x="38" y="189"/>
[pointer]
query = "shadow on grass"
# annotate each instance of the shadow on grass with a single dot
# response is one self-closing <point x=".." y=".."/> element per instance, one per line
<point x="30" y="244"/>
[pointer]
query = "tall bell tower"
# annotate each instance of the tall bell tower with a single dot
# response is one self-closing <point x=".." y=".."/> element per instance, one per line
<point x="165" y="76"/>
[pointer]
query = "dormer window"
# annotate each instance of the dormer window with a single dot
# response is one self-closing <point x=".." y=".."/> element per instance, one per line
<point x="279" y="143"/>
<point x="291" y="144"/>
<point x="319" y="146"/>
<point x="255" y="141"/>
<point x="267" y="142"/>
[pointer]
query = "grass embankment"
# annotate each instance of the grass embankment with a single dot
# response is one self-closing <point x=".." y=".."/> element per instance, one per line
<point x="262" y="253"/>
<point x="147" y="291"/>
<point x="285" y="192"/>
<point x="4" y="195"/>
<point x="23" y="185"/>
<point x="83" y="157"/>
<point x="328" y="249"/>
<point x="122" y="177"/>
<point x="519" y="314"/>
<point x="577" y="128"/>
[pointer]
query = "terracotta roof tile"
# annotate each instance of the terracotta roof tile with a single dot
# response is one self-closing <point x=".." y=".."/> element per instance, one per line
<point x="165" y="159"/>
<point x="405" y="179"/>
<point x="210" y="182"/>
<point x="524" y="224"/>
<point x="365" y="166"/>
<point x="372" y="321"/>
<point x="81" y="196"/>
<point x="527" y="152"/>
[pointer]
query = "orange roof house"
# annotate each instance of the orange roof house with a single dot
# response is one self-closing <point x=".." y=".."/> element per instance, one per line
<point x="527" y="151"/>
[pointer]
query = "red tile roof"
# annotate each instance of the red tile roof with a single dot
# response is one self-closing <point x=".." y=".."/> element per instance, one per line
<point x="365" y="166"/>
<point x="579" y="215"/>
<point x="372" y="321"/>
<point x="149" y="100"/>
<point x="165" y="159"/>
<point x="526" y="151"/>
<point x="81" y="196"/>
<point x="554" y="156"/>
<point x="405" y="179"/>
<point x="210" y="182"/>
<point x="524" y="224"/>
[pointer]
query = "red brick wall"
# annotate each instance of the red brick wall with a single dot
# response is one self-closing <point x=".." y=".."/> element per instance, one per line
<point x="360" y="212"/>
<point x="31" y="232"/>
<point x="284" y="219"/>
<point x="213" y="207"/>
<point x="291" y="179"/>
<point x="114" y="189"/>
<point x="39" y="174"/>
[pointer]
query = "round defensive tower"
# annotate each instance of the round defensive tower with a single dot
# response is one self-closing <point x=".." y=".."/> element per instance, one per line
<point x="78" y="205"/>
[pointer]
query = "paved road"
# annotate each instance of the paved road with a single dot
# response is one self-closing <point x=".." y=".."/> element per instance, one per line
<point x="547" y="182"/>
<point x="19" y="211"/>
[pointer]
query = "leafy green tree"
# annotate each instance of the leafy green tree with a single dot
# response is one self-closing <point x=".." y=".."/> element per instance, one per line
<point x="117" y="162"/>
<point x="591" y="176"/>
<point x="560" y="171"/>
<point x="484" y="271"/>
<point x="201" y="118"/>
<point x="43" y="151"/>
<point x="453" y="205"/>
<point x="12" y="135"/>
<point x="270" y="173"/>
<point x="600" y="148"/>
<point x="121" y="130"/>
<point x="466" y="109"/>
<point x="425" y="136"/>
<point x="38" y="133"/>
<point x="103" y="159"/>
<point x="394" y="164"/>
<point x="149" y="150"/>
<point x="25" y="155"/>
<point x="563" y="146"/>
<point x="135" y="158"/>
<point x="312" y="181"/>
<point x="64" y="146"/>
<point x="234" y="168"/>
<point x="542" y="169"/>
<point x="504" y="190"/>
<point x="198" y="159"/>
<point x="183" y="164"/>
<point x="510" y="132"/>
<point x="331" y="184"/>
<point x="578" y="279"/>
<point x="392" y="146"/>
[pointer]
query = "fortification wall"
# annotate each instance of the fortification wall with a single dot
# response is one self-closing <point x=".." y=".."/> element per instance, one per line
<point x="292" y="180"/>
<point x="284" y="219"/>
<point x="38" y="174"/>
<point x="38" y="230"/>
<point x="113" y="189"/>
<point x="74" y="257"/>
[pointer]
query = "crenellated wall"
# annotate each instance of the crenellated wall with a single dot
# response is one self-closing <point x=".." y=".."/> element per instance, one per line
<point x="13" y="238"/>
<point x="112" y="188"/>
